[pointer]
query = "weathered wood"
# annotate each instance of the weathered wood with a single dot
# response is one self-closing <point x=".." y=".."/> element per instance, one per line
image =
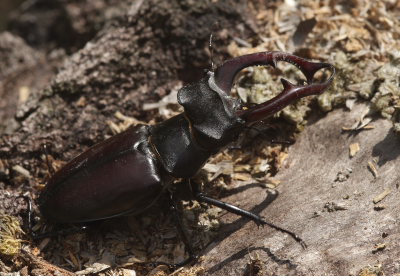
<point x="340" y="242"/>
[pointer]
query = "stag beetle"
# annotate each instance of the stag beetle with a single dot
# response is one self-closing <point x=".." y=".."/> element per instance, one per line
<point x="128" y="172"/>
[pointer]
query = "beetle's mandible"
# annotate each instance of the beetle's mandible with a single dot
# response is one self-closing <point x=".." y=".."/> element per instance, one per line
<point x="128" y="172"/>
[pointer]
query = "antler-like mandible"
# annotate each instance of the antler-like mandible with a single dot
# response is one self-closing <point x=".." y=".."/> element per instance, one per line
<point x="225" y="74"/>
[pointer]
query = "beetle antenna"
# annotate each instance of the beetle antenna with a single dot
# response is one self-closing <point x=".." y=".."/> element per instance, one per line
<point x="46" y="154"/>
<point x="211" y="52"/>
<point x="214" y="27"/>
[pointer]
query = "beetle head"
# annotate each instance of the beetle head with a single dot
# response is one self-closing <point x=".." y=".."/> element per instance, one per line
<point x="216" y="118"/>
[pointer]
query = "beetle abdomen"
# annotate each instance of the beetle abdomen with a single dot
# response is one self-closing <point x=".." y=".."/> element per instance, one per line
<point x="112" y="178"/>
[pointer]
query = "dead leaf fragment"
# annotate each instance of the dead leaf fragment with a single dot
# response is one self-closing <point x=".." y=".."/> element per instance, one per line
<point x="370" y="270"/>
<point x="372" y="168"/>
<point x="242" y="176"/>
<point x="381" y="196"/>
<point x="107" y="260"/>
<point x="379" y="207"/>
<point x="354" y="149"/>
<point x="128" y="272"/>
<point x="94" y="268"/>
<point x="362" y="123"/>
<point x="379" y="247"/>
<point x="24" y="92"/>
<point x="272" y="183"/>
<point x="333" y="206"/>
<point x="74" y="259"/>
<point x="22" y="171"/>
<point x="304" y="28"/>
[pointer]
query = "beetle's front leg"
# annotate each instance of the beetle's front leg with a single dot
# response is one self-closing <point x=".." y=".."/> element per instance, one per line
<point x="199" y="196"/>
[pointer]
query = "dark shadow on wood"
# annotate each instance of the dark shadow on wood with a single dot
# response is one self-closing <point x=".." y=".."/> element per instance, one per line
<point x="388" y="149"/>
<point x="230" y="228"/>
<point x="240" y="189"/>
<point x="242" y="253"/>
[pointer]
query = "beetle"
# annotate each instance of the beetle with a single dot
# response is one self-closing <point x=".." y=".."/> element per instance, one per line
<point x="127" y="173"/>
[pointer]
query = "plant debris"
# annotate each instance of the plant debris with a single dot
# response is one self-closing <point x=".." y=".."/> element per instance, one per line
<point x="379" y="247"/>
<point x="333" y="207"/>
<point x="379" y="207"/>
<point x="10" y="230"/>
<point x="375" y="270"/>
<point x="381" y="196"/>
<point x="254" y="267"/>
<point x="354" y="148"/>
<point x="342" y="176"/>
<point x="372" y="168"/>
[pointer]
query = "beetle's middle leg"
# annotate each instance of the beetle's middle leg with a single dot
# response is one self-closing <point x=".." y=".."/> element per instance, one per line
<point x="199" y="196"/>
<point x="181" y="233"/>
<point x="179" y="226"/>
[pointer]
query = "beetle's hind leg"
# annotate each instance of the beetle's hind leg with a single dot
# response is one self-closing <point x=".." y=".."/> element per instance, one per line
<point x="199" y="196"/>
<point x="49" y="234"/>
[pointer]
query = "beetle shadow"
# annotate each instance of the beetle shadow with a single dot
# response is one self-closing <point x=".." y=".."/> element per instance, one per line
<point x="241" y="189"/>
<point x="230" y="228"/>
<point x="242" y="254"/>
<point x="388" y="149"/>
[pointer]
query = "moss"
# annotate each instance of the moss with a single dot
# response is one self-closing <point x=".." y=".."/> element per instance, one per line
<point x="10" y="229"/>
<point x="387" y="98"/>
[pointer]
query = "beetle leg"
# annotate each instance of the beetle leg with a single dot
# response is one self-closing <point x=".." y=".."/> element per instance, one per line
<point x="29" y="213"/>
<point x="243" y="213"/>
<point x="178" y="222"/>
<point x="179" y="226"/>
<point x="61" y="232"/>
<point x="50" y="168"/>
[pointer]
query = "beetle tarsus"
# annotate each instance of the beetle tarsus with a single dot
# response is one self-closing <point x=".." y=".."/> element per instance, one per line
<point x="283" y="230"/>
